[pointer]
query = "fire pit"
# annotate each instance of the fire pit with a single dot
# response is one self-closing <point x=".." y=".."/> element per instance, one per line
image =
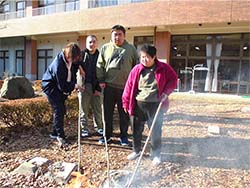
<point x="118" y="179"/>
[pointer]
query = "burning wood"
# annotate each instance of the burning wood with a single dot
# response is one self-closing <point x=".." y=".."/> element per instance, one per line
<point x="79" y="180"/>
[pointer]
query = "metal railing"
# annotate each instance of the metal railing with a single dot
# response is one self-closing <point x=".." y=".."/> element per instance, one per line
<point x="66" y="7"/>
<point x="105" y="3"/>
<point x="12" y="15"/>
<point x="56" y="8"/>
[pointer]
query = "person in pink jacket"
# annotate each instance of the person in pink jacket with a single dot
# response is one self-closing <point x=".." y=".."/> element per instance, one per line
<point x="148" y="83"/>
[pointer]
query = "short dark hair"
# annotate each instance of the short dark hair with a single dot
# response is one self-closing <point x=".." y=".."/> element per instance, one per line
<point x="118" y="27"/>
<point x="149" y="49"/>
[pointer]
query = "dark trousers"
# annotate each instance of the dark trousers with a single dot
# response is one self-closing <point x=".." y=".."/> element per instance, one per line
<point x="59" y="110"/>
<point x="145" y="112"/>
<point x="113" y="96"/>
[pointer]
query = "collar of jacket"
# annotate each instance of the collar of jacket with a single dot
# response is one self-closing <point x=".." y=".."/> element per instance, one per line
<point x="124" y="43"/>
<point x="87" y="51"/>
<point x="63" y="57"/>
<point x="157" y="68"/>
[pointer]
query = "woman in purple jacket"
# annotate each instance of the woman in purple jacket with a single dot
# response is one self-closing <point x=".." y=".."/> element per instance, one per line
<point x="147" y="84"/>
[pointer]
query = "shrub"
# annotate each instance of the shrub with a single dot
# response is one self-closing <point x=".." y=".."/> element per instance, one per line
<point x="33" y="112"/>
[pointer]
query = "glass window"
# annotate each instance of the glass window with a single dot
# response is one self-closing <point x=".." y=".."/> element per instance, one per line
<point x="199" y="37"/>
<point x="197" y="49"/>
<point x="178" y="50"/>
<point x="4" y="62"/>
<point x="19" y="62"/>
<point x="229" y="70"/>
<point x="43" y="60"/>
<point x="41" y="53"/>
<point x="20" y="6"/>
<point x="41" y="3"/>
<point x="1" y="67"/>
<point x="140" y="40"/>
<point x="246" y="50"/>
<point x="246" y="37"/>
<point x="71" y="5"/>
<point x="6" y="8"/>
<point x="230" y="49"/>
<point x="179" y="67"/>
<point x="41" y="68"/>
<point x="103" y="3"/>
<point x="48" y="5"/>
<point x="49" y="53"/>
<point x="138" y="1"/>
<point x="245" y="71"/>
<point x="178" y="38"/>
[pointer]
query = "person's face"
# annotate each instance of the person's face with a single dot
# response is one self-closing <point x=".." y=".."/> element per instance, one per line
<point x="91" y="44"/>
<point x="73" y="61"/>
<point x="146" y="59"/>
<point x="117" y="37"/>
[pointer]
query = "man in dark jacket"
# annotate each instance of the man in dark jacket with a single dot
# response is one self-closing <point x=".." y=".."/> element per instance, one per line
<point x="58" y="82"/>
<point x="91" y="96"/>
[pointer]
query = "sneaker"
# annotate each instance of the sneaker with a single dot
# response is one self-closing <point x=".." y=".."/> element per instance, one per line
<point x="133" y="156"/>
<point x="124" y="141"/>
<point x="156" y="161"/>
<point x="53" y="135"/>
<point x="100" y="132"/>
<point x="61" y="141"/>
<point x="84" y="133"/>
<point x="102" y="141"/>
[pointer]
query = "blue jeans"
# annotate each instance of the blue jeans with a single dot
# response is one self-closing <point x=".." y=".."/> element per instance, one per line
<point x="59" y="110"/>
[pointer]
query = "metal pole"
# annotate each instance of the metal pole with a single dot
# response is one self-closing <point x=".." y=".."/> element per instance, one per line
<point x="105" y="140"/>
<point x="147" y="140"/>
<point x="79" y="142"/>
<point x="192" y="84"/>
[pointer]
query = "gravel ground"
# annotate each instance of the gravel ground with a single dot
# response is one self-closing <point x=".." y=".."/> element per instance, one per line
<point x="192" y="157"/>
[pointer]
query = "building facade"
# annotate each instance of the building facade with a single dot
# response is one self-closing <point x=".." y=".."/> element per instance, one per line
<point x="206" y="42"/>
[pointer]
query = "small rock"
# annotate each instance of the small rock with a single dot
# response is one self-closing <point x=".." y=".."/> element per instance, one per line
<point x="245" y="109"/>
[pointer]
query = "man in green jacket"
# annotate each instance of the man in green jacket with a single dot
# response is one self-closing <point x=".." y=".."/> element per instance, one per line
<point x="114" y="63"/>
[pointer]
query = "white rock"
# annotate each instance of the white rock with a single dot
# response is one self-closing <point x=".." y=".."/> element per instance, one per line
<point x="213" y="129"/>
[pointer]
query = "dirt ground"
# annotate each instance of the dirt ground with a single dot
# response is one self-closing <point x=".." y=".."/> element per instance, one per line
<point x="192" y="157"/>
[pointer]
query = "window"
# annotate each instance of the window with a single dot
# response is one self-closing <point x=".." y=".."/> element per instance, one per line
<point x="140" y="40"/>
<point x="71" y="5"/>
<point x="246" y="50"/>
<point x="6" y="8"/>
<point x="20" y="7"/>
<point x="49" y="6"/>
<point x="228" y="72"/>
<point x="197" y="49"/>
<point x="4" y="62"/>
<point x="101" y="3"/>
<point x="179" y="50"/>
<point x="19" y="62"/>
<point x="44" y="58"/>
<point x="225" y="56"/>
<point x="231" y="49"/>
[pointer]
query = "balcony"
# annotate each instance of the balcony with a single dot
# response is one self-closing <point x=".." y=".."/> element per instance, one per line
<point x="57" y="8"/>
<point x="12" y="15"/>
<point x="105" y="3"/>
<point x="67" y="7"/>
